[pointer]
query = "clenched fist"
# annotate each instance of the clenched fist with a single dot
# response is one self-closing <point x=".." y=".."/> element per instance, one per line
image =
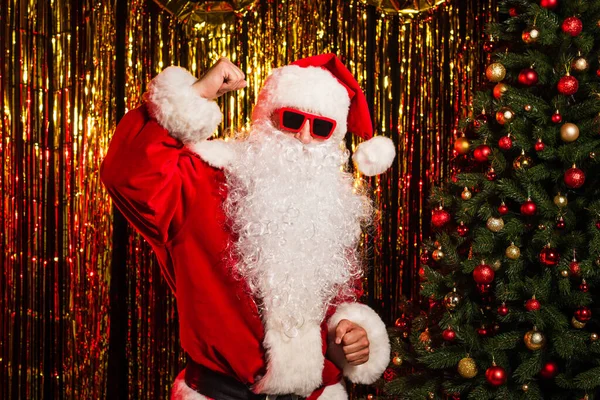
<point x="354" y="342"/>
<point x="221" y="78"/>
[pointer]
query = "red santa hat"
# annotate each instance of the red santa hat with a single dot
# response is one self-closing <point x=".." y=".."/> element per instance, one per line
<point x="323" y="85"/>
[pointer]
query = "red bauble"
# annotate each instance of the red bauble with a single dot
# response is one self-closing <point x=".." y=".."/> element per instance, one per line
<point x="574" y="178"/>
<point x="572" y="26"/>
<point x="503" y="209"/>
<point x="513" y="12"/>
<point x="584" y="286"/>
<point x="495" y="375"/>
<point x="560" y="224"/>
<point x="556" y="117"/>
<point x="462" y="230"/>
<point x="532" y="304"/>
<point x="483" y="273"/>
<point x="583" y="314"/>
<point x="505" y="143"/>
<point x="389" y="375"/>
<point x="598" y="224"/>
<point x="491" y="174"/>
<point x="481" y="119"/>
<point x="440" y="218"/>
<point x="449" y="335"/>
<point x="421" y="273"/>
<point x="568" y="85"/>
<point x="598" y="72"/>
<point x="503" y="310"/>
<point x="549" y="370"/>
<point x="425" y="257"/>
<point x="483" y="331"/>
<point x="574" y="268"/>
<point x="482" y="152"/>
<point x="528" y="77"/>
<point x="489" y="46"/>
<point x="549" y="257"/>
<point x="549" y="4"/>
<point x="402" y="323"/>
<point x="539" y="145"/>
<point x="528" y="208"/>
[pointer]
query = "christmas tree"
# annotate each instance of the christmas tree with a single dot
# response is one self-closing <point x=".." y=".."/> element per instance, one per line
<point x="512" y="273"/>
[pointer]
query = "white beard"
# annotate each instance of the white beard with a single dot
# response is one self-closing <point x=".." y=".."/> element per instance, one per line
<point x="298" y="220"/>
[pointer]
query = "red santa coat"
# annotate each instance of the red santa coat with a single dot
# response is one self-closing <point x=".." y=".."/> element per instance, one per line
<point x="174" y="199"/>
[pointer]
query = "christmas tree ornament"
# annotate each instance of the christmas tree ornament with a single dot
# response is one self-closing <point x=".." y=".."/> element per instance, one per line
<point x="574" y="268"/>
<point x="583" y="314"/>
<point x="389" y="375"/>
<point x="542" y="227"/>
<point x="528" y="77"/>
<point x="496" y="265"/>
<point x="560" y="201"/>
<point x="425" y="257"/>
<point x="491" y="174"/>
<point x="564" y="273"/>
<point x="556" y="117"/>
<point x="483" y="331"/>
<point x="495" y="375"/>
<point x="425" y="337"/>
<point x="503" y="209"/>
<point x="483" y="288"/>
<point x="461" y="145"/>
<point x="530" y="35"/>
<point x="568" y="85"/>
<point x="370" y="397"/>
<point x="522" y="162"/>
<point x="437" y="254"/>
<point x="594" y="337"/>
<point x="528" y="107"/>
<point x="448" y="334"/>
<point x="580" y="64"/>
<point x="598" y="224"/>
<point x="513" y="252"/>
<point x="505" y="115"/>
<point x="421" y="273"/>
<point x="430" y="395"/>
<point x="495" y="72"/>
<point x="505" y="142"/>
<point x="598" y="72"/>
<point x="583" y="286"/>
<point x="402" y="323"/>
<point x="452" y="300"/>
<point x="483" y="273"/>
<point x="592" y="155"/>
<point x="397" y="361"/>
<point x="499" y="90"/>
<point x="574" y="177"/>
<point x="528" y="208"/>
<point x="480" y="120"/>
<point x="462" y="229"/>
<point x="525" y="387"/>
<point x="577" y="324"/>
<point x="569" y="132"/>
<point x="495" y="224"/>
<point x="572" y="26"/>
<point x="534" y="340"/>
<point x="467" y="368"/>
<point x="513" y="12"/>
<point x="466" y="194"/>
<point x="549" y="4"/>
<point x="532" y="304"/>
<point x="549" y="370"/>
<point x="489" y="46"/>
<point x="560" y="223"/>
<point x="482" y="152"/>
<point x="440" y="217"/>
<point x="539" y="145"/>
<point x="502" y="310"/>
<point x="549" y="256"/>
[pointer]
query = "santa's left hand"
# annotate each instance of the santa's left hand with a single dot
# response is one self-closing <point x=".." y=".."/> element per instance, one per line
<point x="354" y="341"/>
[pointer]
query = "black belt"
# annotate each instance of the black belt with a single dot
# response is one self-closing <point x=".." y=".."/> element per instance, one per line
<point x="222" y="387"/>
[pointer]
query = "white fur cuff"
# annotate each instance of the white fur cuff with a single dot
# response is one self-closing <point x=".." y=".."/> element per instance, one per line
<point x="179" y="109"/>
<point x="181" y="391"/>
<point x="217" y="153"/>
<point x="379" y="343"/>
<point x="374" y="156"/>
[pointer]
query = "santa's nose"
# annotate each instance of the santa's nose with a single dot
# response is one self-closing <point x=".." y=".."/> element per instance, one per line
<point x="304" y="134"/>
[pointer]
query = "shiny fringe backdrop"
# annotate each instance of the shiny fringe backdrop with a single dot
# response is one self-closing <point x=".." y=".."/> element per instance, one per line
<point x="84" y="312"/>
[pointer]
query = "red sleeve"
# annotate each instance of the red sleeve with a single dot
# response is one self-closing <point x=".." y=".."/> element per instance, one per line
<point x="145" y="172"/>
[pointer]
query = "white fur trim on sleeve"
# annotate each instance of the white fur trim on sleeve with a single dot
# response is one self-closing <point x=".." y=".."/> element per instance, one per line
<point x="177" y="108"/>
<point x="334" y="392"/>
<point x="374" y="156"/>
<point x="379" y="343"/>
<point x="181" y="391"/>
<point x="216" y="153"/>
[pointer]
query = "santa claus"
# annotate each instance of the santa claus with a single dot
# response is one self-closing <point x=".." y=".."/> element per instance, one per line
<point x="257" y="236"/>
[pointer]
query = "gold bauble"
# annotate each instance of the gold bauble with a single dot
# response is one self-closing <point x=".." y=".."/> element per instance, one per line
<point x="513" y="252"/>
<point x="461" y="145"/>
<point x="593" y="337"/>
<point x="534" y="340"/>
<point x="496" y="265"/>
<point x="580" y="64"/>
<point x="397" y="361"/>
<point x="500" y="89"/>
<point x="505" y="115"/>
<point x="569" y="132"/>
<point x="467" y="368"/>
<point x="592" y="155"/>
<point x="527" y="107"/>
<point x="577" y="324"/>
<point x="522" y="162"/>
<point x="369" y="397"/>
<point x="437" y="254"/>
<point x="431" y="395"/>
<point x="564" y="273"/>
<point x="425" y="337"/>
<point x="495" y="224"/>
<point x="525" y="387"/>
<point x="452" y="300"/>
<point x="560" y="201"/>
<point x="466" y="194"/>
<point x="495" y="72"/>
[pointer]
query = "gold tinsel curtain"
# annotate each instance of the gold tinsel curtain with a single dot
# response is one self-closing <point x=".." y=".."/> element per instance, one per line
<point x="84" y="313"/>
